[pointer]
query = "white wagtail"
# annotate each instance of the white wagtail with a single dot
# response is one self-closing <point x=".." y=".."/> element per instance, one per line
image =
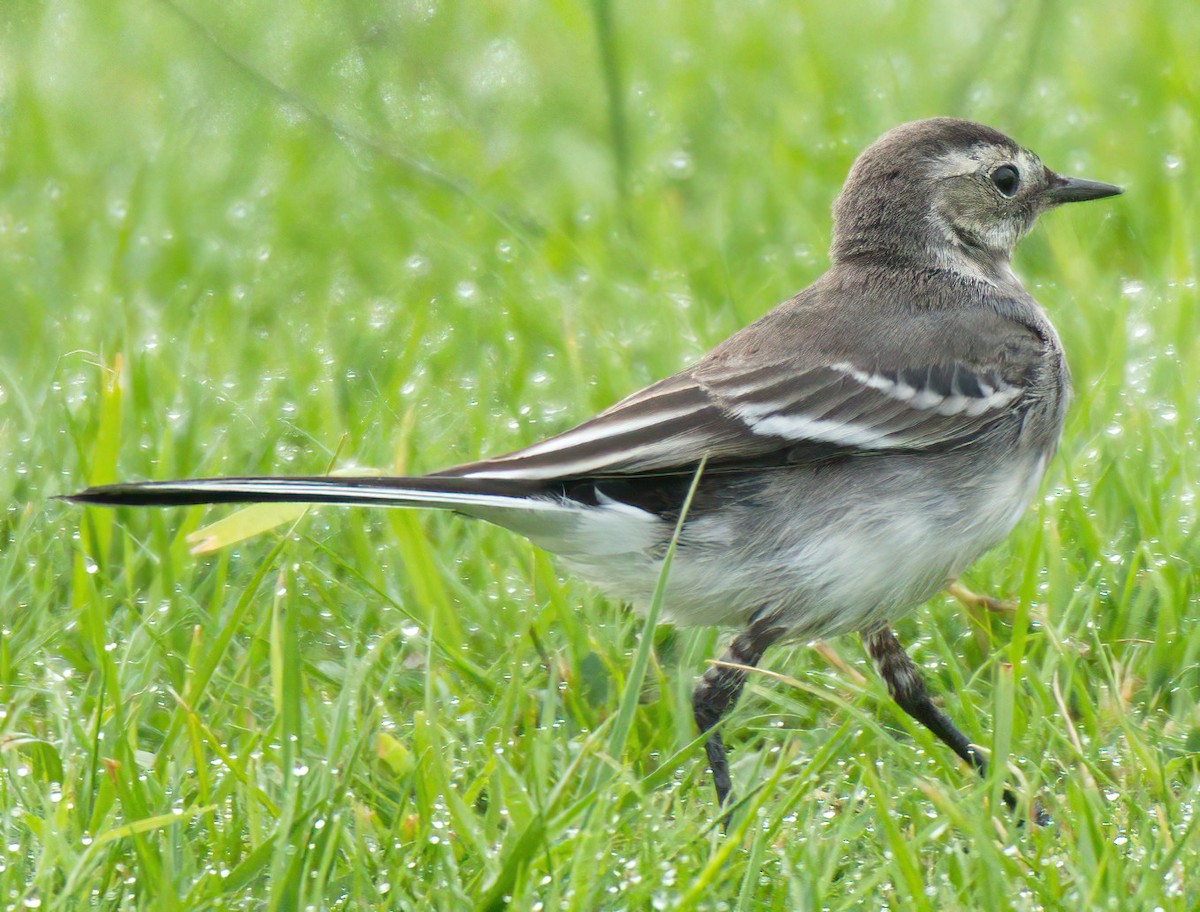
<point x="863" y="443"/>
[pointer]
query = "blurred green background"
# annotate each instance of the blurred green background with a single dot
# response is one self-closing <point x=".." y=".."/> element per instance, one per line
<point x="260" y="236"/>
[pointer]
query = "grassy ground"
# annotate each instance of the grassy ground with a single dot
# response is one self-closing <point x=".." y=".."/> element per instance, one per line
<point x="275" y="236"/>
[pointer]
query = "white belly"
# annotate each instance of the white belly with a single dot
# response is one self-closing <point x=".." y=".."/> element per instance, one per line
<point x="827" y="558"/>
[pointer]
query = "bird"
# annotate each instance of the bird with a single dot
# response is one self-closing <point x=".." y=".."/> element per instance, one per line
<point x="848" y="455"/>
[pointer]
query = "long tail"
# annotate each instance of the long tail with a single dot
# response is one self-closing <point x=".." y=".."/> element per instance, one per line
<point x="470" y="495"/>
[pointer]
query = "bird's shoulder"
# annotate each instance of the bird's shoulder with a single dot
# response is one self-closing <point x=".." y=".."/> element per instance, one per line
<point x="892" y="319"/>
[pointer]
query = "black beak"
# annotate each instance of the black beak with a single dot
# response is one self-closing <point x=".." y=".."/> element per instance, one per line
<point x="1077" y="190"/>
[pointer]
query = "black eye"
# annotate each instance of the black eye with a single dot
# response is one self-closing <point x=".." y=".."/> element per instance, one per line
<point x="1007" y="179"/>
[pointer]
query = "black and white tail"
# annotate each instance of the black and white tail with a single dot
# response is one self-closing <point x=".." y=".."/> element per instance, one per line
<point x="474" y="496"/>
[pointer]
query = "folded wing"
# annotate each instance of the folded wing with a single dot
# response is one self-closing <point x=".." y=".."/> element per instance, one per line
<point x="741" y="414"/>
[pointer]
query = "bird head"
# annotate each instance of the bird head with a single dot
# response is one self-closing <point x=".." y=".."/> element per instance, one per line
<point x="948" y="193"/>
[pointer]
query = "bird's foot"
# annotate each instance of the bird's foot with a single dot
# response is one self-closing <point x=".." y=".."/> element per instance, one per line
<point x="974" y="600"/>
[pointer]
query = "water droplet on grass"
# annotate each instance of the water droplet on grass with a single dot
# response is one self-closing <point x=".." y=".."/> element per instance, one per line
<point x="679" y="165"/>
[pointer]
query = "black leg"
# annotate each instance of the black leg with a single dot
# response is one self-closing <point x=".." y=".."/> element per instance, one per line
<point x="718" y="690"/>
<point x="907" y="688"/>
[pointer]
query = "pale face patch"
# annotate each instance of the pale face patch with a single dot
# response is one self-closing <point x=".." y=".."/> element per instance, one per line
<point x="979" y="224"/>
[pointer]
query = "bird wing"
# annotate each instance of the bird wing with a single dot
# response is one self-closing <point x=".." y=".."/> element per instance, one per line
<point x="738" y="411"/>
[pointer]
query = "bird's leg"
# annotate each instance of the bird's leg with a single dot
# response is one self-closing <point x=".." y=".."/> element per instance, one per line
<point x="973" y="601"/>
<point x="905" y="684"/>
<point x="719" y="688"/>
